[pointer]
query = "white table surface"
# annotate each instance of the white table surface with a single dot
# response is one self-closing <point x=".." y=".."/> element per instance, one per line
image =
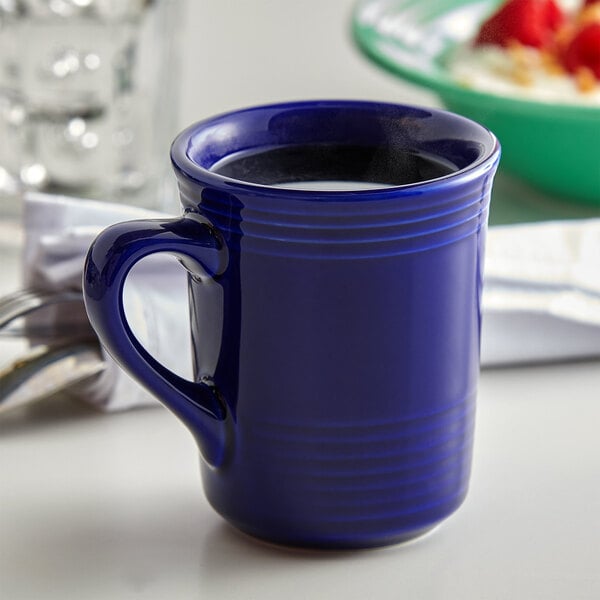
<point x="105" y="507"/>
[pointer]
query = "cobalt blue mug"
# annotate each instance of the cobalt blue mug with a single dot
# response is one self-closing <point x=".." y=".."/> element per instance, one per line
<point x="335" y="254"/>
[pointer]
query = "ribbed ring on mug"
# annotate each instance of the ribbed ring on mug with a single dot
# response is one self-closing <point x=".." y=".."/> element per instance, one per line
<point x="354" y="230"/>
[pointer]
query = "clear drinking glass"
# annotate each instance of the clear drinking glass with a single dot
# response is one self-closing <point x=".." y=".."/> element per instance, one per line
<point x="88" y="98"/>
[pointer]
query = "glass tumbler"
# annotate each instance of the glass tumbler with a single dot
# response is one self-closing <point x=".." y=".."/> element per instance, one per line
<point x="88" y="96"/>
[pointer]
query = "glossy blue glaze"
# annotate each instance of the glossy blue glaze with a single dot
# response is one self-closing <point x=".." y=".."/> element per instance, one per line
<point x="335" y="334"/>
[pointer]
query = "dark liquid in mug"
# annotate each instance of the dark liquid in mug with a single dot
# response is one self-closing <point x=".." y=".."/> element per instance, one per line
<point x="361" y="166"/>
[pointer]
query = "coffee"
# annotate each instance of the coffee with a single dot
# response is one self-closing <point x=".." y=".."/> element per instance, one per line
<point x="335" y="166"/>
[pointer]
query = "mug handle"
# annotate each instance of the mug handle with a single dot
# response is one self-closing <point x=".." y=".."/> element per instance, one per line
<point x="202" y="251"/>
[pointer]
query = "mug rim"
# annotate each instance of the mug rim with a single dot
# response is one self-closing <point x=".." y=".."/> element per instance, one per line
<point x="184" y="165"/>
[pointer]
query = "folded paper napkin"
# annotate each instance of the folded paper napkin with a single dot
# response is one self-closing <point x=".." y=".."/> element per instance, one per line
<point x="58" y="233"/>
<point x="541" y="298"/>
<point x="541" y="295"/>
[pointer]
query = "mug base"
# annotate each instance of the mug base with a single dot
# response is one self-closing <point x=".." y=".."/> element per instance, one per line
<point x="335" y="544"/>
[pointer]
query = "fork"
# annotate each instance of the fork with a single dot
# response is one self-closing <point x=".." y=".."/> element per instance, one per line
<point x="22" y="302"/>
<point x="61" y="358"/>
<point x="70" y="325"/>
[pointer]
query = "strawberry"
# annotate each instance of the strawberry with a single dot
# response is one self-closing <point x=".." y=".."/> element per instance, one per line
<point x="583" y="50"/>
<point x="589" y="13"/>
<point x="528" y="22"/>
<point x="553" y="14"/>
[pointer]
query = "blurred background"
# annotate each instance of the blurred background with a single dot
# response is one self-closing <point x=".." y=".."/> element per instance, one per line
<point x="240" y="53"/>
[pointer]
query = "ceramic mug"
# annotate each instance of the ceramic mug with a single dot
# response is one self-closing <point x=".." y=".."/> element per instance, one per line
<point x="335" y="325"/>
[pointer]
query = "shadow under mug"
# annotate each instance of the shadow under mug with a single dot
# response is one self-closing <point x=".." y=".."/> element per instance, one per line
<point x="335" y="332"/>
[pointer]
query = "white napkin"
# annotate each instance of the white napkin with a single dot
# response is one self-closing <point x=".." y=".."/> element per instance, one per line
<point x="541" y="296"/>
<point x="58" y="233"/>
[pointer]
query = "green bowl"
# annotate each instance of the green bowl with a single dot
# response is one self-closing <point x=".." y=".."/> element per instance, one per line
<point x="556" y="147"/>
